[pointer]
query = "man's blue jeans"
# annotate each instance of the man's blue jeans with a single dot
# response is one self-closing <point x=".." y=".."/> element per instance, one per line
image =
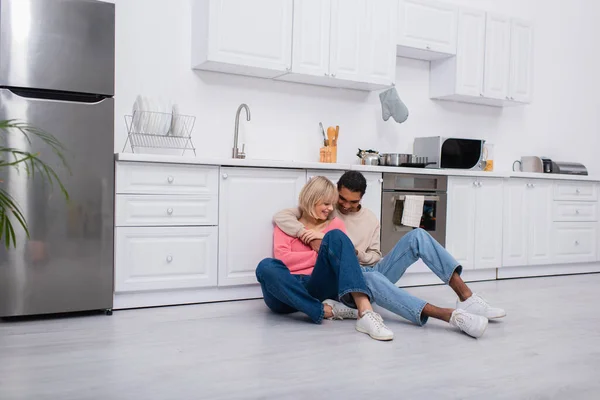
<point x="382" y="277"/>
<point x="336" y="275"/>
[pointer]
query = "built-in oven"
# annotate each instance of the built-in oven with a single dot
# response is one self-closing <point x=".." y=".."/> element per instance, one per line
<point x="396" y="187"/>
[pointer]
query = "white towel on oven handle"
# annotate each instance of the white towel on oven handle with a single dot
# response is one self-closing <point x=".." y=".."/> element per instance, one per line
<point x="413" y="211"/>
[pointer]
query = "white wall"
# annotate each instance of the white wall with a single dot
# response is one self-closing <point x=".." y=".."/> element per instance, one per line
<point x="153" y="58"/>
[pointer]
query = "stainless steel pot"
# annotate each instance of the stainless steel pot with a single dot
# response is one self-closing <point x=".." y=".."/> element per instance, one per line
<point x="370" y="159"/>
<point x="395" y="159"/>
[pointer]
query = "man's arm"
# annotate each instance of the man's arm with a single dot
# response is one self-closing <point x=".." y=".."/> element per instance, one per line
<point x="372" y="254"/>
<point x="287" y="221"/>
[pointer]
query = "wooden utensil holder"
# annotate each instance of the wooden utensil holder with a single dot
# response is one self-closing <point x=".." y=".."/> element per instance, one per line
<point x="328" y="154"/>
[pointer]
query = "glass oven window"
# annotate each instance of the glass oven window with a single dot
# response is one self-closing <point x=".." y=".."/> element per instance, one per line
<point x="428" y="220"/>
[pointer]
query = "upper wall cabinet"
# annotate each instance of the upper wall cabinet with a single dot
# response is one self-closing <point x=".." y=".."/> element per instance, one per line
<point x="344" y="43"/>
<point x="242" y="37"/>
<point x="426" y="29"/>
<point x="493" y="63"/>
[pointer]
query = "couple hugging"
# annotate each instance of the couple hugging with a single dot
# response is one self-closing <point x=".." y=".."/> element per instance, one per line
<point x="328" y="264"/>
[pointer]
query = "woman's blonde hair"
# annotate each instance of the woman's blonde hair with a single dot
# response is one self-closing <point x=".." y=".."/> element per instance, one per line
<point x="318" y="190"/>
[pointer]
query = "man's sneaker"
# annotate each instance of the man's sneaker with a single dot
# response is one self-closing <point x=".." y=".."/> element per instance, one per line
<point x="478" y="306"/>
<point x="340" y="310"/>
<point x="372" y="324"/>
<point x="471" y="324"/>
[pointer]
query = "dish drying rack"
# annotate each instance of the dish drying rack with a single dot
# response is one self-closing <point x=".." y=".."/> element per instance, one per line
<point x="159" y="130"/>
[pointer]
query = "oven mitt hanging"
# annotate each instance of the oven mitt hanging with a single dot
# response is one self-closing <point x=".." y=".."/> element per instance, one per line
<point x="392" y="106"/>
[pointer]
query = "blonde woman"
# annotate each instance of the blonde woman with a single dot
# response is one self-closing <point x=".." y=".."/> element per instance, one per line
<point x="300" y="279"/>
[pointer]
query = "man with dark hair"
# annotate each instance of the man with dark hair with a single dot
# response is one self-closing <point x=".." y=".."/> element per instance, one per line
<point x="472" y="312"/>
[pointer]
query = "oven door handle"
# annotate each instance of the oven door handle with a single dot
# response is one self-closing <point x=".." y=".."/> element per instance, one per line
<point x="403" y="197"/>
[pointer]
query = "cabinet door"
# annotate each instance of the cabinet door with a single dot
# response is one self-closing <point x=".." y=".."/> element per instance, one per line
<point x="347" y="38"/>
<point x="515" y="226"/>
<point x="574" y="242"/>
<point x="539" y="198"/>
<point x="470" y="53"/>
<point x="312" y="20"/>
<point x="460" y="232"/>
<point x="372" y="197"/>
<point x="256" y="34"/>
<point x="488" y="223"/>
<point x="161" y="258"/>
<point x="379" y="52"/>
<point x="427" y="25"/>
<point x="521" y="62"/>
<point x="248" y="199"/>
<point x="497" y="57"/>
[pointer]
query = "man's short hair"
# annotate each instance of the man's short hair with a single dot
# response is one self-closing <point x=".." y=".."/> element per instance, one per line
<point x="354" y="181"/>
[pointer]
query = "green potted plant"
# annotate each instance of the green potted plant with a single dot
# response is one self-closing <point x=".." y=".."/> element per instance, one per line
<point x="29" y="162"/>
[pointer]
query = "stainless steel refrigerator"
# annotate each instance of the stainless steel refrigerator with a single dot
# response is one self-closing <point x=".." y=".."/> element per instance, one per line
<point x="57" y="74"/>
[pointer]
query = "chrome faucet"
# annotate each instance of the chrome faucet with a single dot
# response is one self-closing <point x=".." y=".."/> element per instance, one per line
<point x="236" y="153"/>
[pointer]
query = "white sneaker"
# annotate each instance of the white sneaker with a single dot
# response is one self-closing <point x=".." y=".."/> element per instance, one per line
<point x="340" y="310"/>
<point x="372" y="324"/>
<point x="471" y="324"/>
<point x="478" y="306"/>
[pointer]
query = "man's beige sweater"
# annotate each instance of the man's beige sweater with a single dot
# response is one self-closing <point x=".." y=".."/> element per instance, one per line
<point x="362" y="228"/>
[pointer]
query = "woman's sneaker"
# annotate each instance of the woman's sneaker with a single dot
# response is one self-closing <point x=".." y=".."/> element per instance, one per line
<point x="478" y="306"/>
<point x="471" y="324"/>
<point x="340" y="310"/>
<point x="372" y="324"/>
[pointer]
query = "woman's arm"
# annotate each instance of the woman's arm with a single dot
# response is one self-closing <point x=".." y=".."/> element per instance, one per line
<point x="294" y="260"/>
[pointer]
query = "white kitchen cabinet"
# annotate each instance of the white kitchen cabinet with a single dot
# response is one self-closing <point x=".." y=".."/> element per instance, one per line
<point x="521" y="62"/>
<point x="372" y="198"/>
<point x="497" y="57"/>
<point x="426" y="29"/>
<point x="488" y="223"/>
<point x="312" y="21"/>
<point x="349" y="43"/>
<point x="527" y="222"/>
<point x="474" y="225"/>
<point x="248" y="199"/>
<point x="242" y="37"/>
<point x="574" y="242"/>
<point x="460" y="230"/>
<point x="165" y="258"/>
<point x="493" y="63"/>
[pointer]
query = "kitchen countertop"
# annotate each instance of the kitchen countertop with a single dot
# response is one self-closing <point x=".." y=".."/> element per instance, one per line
<point x="157" y="158"/>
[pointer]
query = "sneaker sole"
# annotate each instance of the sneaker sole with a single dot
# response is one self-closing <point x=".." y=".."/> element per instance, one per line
<point x="496" y="316"/>
<point x="381" y="338"/>
<point x="482" y="333"/>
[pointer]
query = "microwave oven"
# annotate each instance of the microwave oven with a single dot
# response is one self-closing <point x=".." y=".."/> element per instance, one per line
<point x="451" y="153"/>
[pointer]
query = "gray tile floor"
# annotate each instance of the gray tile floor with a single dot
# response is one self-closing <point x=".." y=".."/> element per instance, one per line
<point x="548" y="347"/>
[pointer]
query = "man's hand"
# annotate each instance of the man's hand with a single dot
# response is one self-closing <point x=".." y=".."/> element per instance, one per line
<point x="309" y="235"/>
<point x="315" y="244"/>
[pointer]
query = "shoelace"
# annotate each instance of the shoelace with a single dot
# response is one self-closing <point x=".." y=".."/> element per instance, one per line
<point x="482" y="301"/>
<point x="376" y="318"/>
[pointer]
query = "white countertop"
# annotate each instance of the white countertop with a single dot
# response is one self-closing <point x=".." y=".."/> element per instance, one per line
<point x="157" y="158"/>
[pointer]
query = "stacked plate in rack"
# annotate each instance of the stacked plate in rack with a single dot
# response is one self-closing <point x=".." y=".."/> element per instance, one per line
<point x="156" y="117"/>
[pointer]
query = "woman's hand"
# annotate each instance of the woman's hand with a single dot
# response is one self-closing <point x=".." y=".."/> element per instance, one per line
<point x="309" y="235"/>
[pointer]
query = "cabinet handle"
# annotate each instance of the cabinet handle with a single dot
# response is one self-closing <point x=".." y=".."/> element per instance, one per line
<point x="326" y="74"/>
<point x="170" y="179"/>
<point x="225" y="176"/>
<point x="481" y="94"/>
<point x="428" y="47"/>
<point x="169" y="211"/>
<point x="169" y="259"/>
<point x="380" y="180"/>
<point x="576" y="211"/>
<point x="577" y="243"/>
<point x="533" y="185"/>
<point x="577" y="191"/>
<point x="333" y="75"/>
<point x="475" y="183"/>
<point x="507" y="98"/>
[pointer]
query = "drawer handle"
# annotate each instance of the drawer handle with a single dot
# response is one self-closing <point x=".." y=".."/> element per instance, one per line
<point x="576" y="211"/>
<point x="225" y="176"/>
<point x="170" y="179"/>
<point x="577" y="243"/>
<point x="169" y="259"/>
<point x="169" y="211"/>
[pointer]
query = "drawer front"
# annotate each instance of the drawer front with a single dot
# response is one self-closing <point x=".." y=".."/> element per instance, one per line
<point x="156" y="178"/>
<point x="154" y="210"/>
<point x="585" y="191"/>
<point x="574" y="242"/>
<point x="573" y="211"/>
<point x="150" y="258"/>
